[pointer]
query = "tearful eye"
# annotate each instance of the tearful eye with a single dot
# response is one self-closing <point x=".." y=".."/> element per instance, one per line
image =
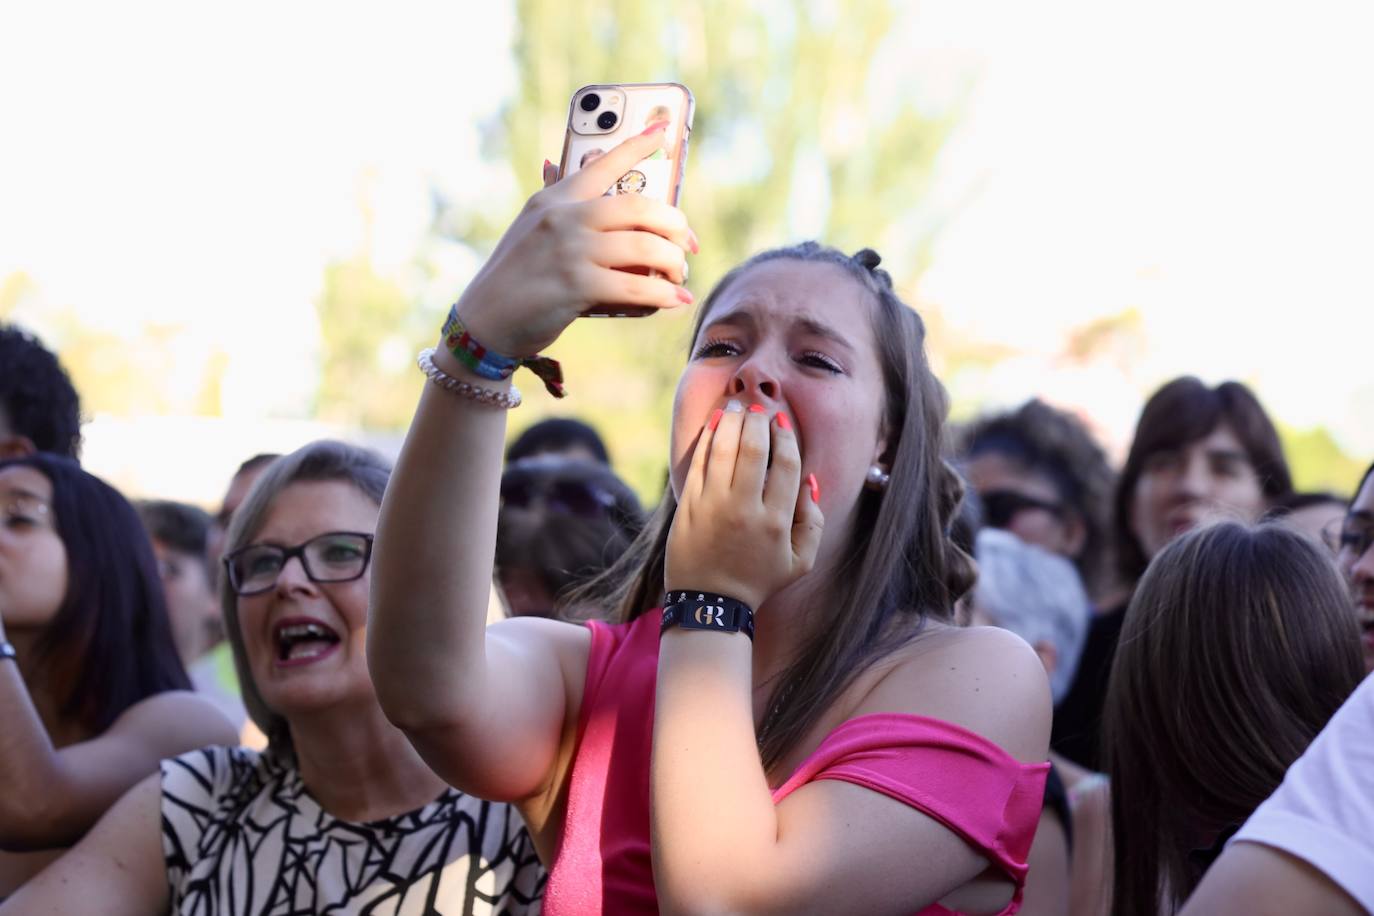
<point x="818" y="360"/>
<point x="714" y="349"/>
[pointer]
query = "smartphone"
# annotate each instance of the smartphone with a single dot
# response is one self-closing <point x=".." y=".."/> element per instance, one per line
<point x="602" y="116"/>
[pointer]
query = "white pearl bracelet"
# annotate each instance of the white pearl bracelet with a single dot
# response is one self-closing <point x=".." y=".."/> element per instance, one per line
<point x="488" y="396"/>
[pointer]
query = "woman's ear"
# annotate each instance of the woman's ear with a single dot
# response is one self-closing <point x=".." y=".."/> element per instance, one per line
<point x="1075" y="534"/>
<point x="16" y="446"/>
<point x="1049" y="655"/>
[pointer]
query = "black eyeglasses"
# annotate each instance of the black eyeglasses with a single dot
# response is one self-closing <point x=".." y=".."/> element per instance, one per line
<point x="1001" y="506"/>
<point x="339" y="556"/>
<point x="1348" y="534"/>
<point x="569" y="497"/>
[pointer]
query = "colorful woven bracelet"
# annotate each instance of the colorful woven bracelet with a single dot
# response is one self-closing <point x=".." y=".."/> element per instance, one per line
<point x="495" y="366"/>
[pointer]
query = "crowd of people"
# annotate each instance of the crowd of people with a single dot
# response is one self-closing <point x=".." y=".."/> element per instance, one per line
<point x="854" y="660"/>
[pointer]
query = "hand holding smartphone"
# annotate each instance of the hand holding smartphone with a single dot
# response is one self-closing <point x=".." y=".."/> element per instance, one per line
<point x="602" y="116"/>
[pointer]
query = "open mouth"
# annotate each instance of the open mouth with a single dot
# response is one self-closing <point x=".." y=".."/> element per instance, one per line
<point x="300" y="641"/>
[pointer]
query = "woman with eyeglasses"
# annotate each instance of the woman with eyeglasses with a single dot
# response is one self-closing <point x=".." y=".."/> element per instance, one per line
<point x="1356" y="559"/>
<point x="92" y="691"/>
<point x="339" y="814"/>
<point x="784" y="717"/>
<point x="563" y="522"/>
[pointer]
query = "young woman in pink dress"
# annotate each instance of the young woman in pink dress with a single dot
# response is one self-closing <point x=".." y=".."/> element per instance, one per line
<point x="855" y="752"/>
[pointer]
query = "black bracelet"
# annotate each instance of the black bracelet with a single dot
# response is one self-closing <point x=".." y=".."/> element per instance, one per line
<point x="706" y="611"/>
<point x="7" y="651"/>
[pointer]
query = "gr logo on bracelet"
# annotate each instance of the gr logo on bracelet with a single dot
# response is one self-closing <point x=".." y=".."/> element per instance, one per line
<point x="709" y="615"/>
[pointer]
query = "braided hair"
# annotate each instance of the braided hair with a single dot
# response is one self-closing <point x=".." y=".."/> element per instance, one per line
<point x="900" y="567"/>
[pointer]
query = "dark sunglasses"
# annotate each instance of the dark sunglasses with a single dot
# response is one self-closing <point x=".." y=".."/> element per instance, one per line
<point x="1348" y="534"/>
<point x="569" y="497"/>
<point x="1001" y="506"/>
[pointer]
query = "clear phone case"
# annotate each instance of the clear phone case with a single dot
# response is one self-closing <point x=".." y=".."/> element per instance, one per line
<point x="603" y="116"/>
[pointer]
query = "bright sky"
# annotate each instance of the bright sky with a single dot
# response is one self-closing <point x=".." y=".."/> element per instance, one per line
<point x="1208" y="163"/>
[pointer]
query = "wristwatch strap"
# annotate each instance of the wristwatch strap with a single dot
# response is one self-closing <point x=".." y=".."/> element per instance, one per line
<point x="706" y="611"/>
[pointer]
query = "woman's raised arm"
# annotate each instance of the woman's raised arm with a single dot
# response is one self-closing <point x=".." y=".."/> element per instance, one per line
<point x="487" y="711"/>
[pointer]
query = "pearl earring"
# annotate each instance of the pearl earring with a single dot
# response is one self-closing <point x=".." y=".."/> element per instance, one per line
<point x="877" y="478"/>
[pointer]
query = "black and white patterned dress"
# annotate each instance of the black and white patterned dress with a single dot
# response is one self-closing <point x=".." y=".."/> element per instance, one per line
<point x="242" y="837"/>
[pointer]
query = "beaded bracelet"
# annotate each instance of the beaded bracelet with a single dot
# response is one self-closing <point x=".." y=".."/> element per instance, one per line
<point x="489" y="396"/>
<point x="495" y="366"/>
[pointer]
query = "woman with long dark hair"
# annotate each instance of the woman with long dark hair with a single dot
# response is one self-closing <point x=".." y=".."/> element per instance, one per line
<point x="339" y="814"/>
<point x="1238" y="646"/>
<point x="784" y="717"/>
<point x="1199" y="453"/>
<point x="92" y="692"/>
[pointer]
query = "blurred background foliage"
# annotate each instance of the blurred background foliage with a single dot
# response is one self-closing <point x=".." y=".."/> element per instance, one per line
<point x="809" y="124"/>
<point x="797" y="134"/>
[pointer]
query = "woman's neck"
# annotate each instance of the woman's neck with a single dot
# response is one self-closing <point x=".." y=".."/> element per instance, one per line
<point x="358" y="766"/>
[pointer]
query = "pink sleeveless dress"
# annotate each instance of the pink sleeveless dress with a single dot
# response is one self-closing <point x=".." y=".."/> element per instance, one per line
<point x="949" y="773"/>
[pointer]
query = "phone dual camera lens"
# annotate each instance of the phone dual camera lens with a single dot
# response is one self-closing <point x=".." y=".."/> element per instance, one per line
<point x="591" y="102"/>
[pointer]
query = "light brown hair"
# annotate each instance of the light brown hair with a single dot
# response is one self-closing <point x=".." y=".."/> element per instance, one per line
<point x="900" y="567"/>
<point x="1238" y="646"/>
<point x="324" y="460"/>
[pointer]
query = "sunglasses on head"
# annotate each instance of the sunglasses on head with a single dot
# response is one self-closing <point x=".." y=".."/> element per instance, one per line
<point x="569" y="497"/>
<point x="1000" y="507"/>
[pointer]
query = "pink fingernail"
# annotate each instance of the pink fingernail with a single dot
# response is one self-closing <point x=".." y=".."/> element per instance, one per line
<point x="692" y="242"/>
<point x="652" y="128"/>
<point x="684" y="296"/>
<point x="715" y="419"/>
<point x="815" y="486"/>
<point x="757" y="408"/>
<point x="783" y="422"/>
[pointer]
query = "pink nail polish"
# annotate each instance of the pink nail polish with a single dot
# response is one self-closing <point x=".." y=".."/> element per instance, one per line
<point x="815" y="486"/>
<point x="715" y="419"/>
<point x="692" y="242"/>
<point x="684" y="296"/>
<point x="783" y="422"/>
<point x="757" y="408"/>
<point x="652" y="128"/>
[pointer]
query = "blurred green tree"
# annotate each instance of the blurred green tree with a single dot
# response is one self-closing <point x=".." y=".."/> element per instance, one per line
<point x="370" y="331"/>
<point x="807" y="125"/>
<point x="1318" y="462"/>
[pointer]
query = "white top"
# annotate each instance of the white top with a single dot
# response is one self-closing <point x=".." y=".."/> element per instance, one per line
<point x="242" y="837"/>
<point x="1323" y="813"/>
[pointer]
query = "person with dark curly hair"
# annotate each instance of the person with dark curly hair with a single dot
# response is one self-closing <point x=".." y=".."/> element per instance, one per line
<point x="1041" y="476"/>
<point x="39" y="409"/>
<point x="563" y="522"/>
